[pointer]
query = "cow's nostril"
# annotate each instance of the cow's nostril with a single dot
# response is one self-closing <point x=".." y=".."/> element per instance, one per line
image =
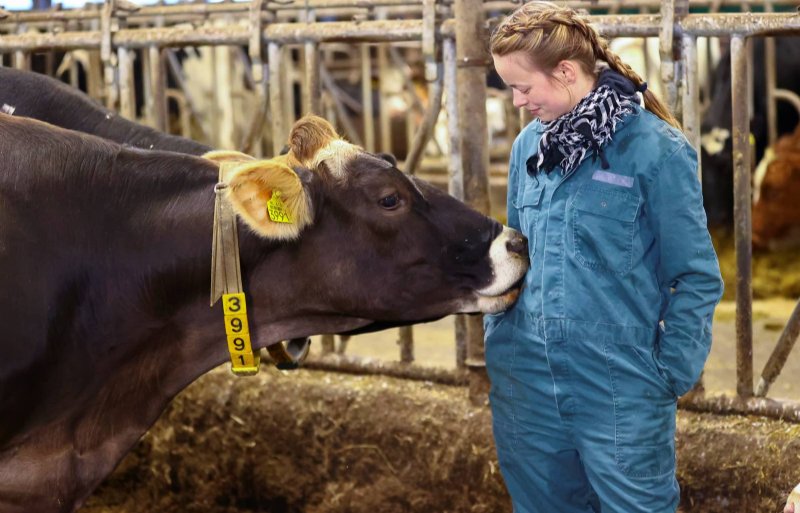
<point x="518" y="244"/>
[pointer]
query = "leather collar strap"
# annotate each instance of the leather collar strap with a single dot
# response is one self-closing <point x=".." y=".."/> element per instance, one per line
<point x="226" y="283"/>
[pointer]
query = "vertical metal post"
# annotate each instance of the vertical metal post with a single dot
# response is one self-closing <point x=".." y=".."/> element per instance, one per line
<point x="287" y="84"/>
<point x="406" y="343"/>
<point x="127" y="100"/>
<point x="253" y="138"/>
<point x="385" y="120"/>
<point x="455" y="165"/>
<point x="313" y="90"/>
<point x="771" y="81"/>
<point x="368" y="112"/>
<point x="213" y="107"/>
<point x="275" y="99"/>
<point x="109" y="75"/>
<point x="455" y="184"/>
<point x="691" y="95"/>
<point x="73" y="71"/>
<point x="666" y="37"/>
<point x="472" y="60"/>
<point x="158" y="87"/>
<point x="20" y="59"/>
<point x="383" y="82"/>
<point x="742" y="216"/>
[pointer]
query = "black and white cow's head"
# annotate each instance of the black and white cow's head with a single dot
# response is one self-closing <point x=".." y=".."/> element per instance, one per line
<point x="373" y="242"/>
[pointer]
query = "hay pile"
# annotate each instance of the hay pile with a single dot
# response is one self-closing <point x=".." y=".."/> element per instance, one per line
<point x="318" y="442"/>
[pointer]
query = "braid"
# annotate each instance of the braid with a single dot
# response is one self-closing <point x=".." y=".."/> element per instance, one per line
<point x="549" y="34"/>
<point x="651" y="101"/>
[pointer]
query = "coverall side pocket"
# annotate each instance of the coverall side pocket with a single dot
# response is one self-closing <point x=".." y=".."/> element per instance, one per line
<point x="603" y="227"/>
<point x="528" y="203"/>
<point x="644" y="414"/>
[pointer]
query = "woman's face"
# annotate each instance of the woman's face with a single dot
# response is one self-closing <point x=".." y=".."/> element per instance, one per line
<point x="540" y="93"/>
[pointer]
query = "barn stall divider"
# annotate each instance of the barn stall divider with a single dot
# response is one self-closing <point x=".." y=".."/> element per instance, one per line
<point x="290" y="49"/>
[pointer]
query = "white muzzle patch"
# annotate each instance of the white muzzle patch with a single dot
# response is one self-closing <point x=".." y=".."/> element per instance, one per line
<point x="507" y="267"/>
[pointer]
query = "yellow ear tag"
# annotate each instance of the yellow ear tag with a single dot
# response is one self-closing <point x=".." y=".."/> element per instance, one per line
<point x="277" y="209"/>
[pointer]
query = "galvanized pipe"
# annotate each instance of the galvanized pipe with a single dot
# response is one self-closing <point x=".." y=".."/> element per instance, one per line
<point x="158" y="88"/>
<point x="789" y="96"/>
<point x="691" y="95"/>
<point x="665" y="40"/>
<point x="472" y="60"/>
<point x="781" y="352"/>
<point x="127" y="100"/>
<point x="341" y="113"/>
<point x="424" y="132"/>
<point x="384" y="120"/>
<point x="368" y="112"/>
<point x="742" y="217"/>
<point x="750" y="24"/>
<point x="279" y="134"/>
<point x="312" y="91"/>
<point x="190" y="12"/>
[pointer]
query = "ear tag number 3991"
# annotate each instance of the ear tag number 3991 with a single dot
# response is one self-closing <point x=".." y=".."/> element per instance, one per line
<point x="243" y="360"/>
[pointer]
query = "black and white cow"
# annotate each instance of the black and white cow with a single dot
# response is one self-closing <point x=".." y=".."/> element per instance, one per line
<point x="717" y="159"/>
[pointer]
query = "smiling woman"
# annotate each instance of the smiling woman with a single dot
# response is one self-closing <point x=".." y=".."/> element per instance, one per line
<point x="615" y="319"/>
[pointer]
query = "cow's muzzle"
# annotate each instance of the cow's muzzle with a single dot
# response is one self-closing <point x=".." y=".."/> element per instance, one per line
<point x="508" y="255"/>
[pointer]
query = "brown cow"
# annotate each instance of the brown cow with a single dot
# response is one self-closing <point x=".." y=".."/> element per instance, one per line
<point x="105" y="258"/>
<point x="776" y="208"/>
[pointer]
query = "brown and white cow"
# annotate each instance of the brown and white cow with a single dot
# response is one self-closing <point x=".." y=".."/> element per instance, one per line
<point x="105" y="259"/>
<point x="776" y="209"/>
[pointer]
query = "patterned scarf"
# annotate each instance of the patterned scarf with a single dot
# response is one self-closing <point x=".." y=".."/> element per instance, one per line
<point x="588" y="126"/>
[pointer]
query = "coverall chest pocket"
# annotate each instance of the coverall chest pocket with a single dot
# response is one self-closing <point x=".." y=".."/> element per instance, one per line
<point x="528" y="204"/>
<point x="604" y="224"/>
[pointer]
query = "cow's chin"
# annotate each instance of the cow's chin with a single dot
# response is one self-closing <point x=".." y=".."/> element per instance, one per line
<point x="493" y="304"/>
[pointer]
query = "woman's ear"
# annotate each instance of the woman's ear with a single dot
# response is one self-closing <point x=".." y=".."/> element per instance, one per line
<point x="269" y="196"/>
<point x="567" y="72"/>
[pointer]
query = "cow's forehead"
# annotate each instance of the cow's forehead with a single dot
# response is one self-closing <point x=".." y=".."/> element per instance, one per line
<point x="336" y="154"/>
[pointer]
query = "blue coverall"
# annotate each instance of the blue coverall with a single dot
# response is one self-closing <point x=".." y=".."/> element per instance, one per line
<point x="613" y="324"/>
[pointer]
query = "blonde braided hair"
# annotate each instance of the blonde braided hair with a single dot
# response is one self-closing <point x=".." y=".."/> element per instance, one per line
<point x="549" y="34"/>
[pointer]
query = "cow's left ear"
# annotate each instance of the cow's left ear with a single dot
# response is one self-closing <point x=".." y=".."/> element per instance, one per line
<point x="270" y="198"/>
<point x="220" y="156"/>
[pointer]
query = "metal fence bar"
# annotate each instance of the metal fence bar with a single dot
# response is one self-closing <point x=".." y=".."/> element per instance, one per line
<point x="779" y="355"/>
<point x="634" y="25"/>
<point x="193" y="12"/>
<point x="472" y="61"/>
<point x="366" y="98"/>
<point x="274" y="56"/>
<point x="742" y="217"/>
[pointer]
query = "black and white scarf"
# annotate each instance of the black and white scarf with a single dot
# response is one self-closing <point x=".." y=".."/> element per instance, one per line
<point x="568" y="139"/>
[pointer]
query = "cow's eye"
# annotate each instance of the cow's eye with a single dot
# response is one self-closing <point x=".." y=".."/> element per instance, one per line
<point x="390" y="202"/>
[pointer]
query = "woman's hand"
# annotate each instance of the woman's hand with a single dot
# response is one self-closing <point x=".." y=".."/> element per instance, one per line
<point x="789" y="508"/>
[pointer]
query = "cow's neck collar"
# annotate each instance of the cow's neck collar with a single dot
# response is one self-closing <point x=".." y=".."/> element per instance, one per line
<point x="226" y="283"/>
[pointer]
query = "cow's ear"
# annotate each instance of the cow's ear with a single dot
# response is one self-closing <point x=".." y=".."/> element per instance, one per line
<point x="220" y="156"/>
<point x="309" y="134"/>
<point x="269" y="196"/>
<point x="388" y="157"/>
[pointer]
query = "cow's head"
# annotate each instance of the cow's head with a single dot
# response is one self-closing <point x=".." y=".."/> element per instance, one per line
<point x="367" y="241"/>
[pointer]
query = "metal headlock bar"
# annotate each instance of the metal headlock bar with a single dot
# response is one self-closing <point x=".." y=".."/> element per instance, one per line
<point x="647" y="25"/>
